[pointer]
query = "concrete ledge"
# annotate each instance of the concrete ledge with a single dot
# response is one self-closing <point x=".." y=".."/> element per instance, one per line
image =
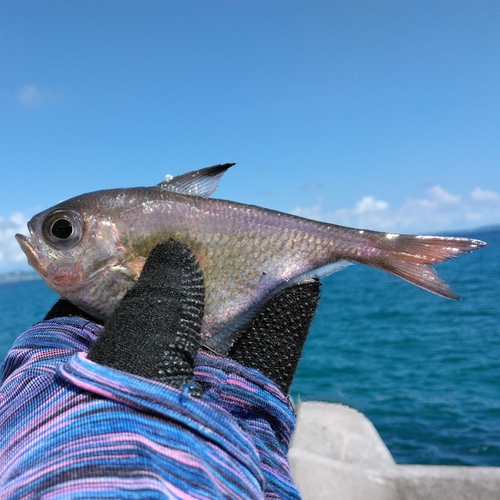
<point x="337" y="453"/>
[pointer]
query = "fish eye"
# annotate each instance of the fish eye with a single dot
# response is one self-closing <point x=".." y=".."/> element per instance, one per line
<point x="63" y="229"/>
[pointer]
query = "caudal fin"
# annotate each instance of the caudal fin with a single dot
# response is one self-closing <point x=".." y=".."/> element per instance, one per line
<point x="412" y="257"/>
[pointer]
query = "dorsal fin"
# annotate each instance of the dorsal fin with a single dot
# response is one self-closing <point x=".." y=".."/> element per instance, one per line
<point x="199" y="182"/>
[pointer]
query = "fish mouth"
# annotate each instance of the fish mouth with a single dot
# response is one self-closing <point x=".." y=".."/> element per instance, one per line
<point x="35" y="262"/>
<point x="27" y="248"/>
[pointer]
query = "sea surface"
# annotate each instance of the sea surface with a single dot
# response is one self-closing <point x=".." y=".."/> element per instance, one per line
<point x="425" y="370"/>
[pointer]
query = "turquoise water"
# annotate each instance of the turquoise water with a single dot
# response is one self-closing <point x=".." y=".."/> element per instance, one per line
<point x="425" y="370"/>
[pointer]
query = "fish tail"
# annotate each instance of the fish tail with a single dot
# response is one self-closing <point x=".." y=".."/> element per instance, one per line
<point x="412" y="257"/>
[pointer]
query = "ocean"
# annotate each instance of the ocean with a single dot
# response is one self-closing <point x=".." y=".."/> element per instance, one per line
<point x="425" y="370"/>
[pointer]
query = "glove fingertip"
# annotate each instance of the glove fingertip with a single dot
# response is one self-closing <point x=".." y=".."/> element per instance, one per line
<point x="171" y="253"/>
<point x="274" y="341"/>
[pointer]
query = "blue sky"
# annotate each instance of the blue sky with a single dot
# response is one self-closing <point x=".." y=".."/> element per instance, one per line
<point x="375" y="114"/>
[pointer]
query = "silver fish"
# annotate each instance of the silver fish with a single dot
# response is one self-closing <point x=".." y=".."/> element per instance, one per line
<point x="91" y="249"/>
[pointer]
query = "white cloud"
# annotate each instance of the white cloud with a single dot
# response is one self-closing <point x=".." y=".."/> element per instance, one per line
<point x="11" y="255"/>
<point x="311" y="186"/>
<point x="442" y="197"/>
<point x="483" y="195"/>
<point x="315" y="212"/>
<point x="439" y="210"/>
<point x="32" y="96"/>
<point x="370" y="204"/>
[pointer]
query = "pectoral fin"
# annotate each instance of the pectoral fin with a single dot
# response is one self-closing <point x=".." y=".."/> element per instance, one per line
<point x="133" y="268"/>
<point x="203" y="261"/>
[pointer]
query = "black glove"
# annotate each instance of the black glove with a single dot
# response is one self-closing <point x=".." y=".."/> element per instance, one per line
<point x="274" y="341"/>
<point x="141" y="344"/>
<point x="63" y="308"/>
<point x="155" y="331"/>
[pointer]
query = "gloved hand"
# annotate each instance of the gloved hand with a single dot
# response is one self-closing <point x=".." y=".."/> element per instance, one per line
<point x="274" y="341"/>
<point x="155" y="330"/>
<point x="141" y="343"/>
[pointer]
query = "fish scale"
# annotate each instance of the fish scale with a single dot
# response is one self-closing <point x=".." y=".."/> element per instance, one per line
<point x="91" y="249"/>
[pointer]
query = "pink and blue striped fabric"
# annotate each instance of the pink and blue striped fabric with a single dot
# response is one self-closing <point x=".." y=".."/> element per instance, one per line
<point x="70" y="428"/>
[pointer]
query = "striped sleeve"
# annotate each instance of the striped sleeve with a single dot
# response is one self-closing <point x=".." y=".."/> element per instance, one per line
<point x="70" y="428"/>
<point x="262" y="412"/>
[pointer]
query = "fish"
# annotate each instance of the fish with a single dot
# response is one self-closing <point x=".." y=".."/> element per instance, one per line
<point x="91" y="249"/>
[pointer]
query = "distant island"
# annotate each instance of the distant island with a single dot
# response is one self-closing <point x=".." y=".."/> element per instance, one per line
<point x="481" y="230"/>
<point x="15" y="276"/>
